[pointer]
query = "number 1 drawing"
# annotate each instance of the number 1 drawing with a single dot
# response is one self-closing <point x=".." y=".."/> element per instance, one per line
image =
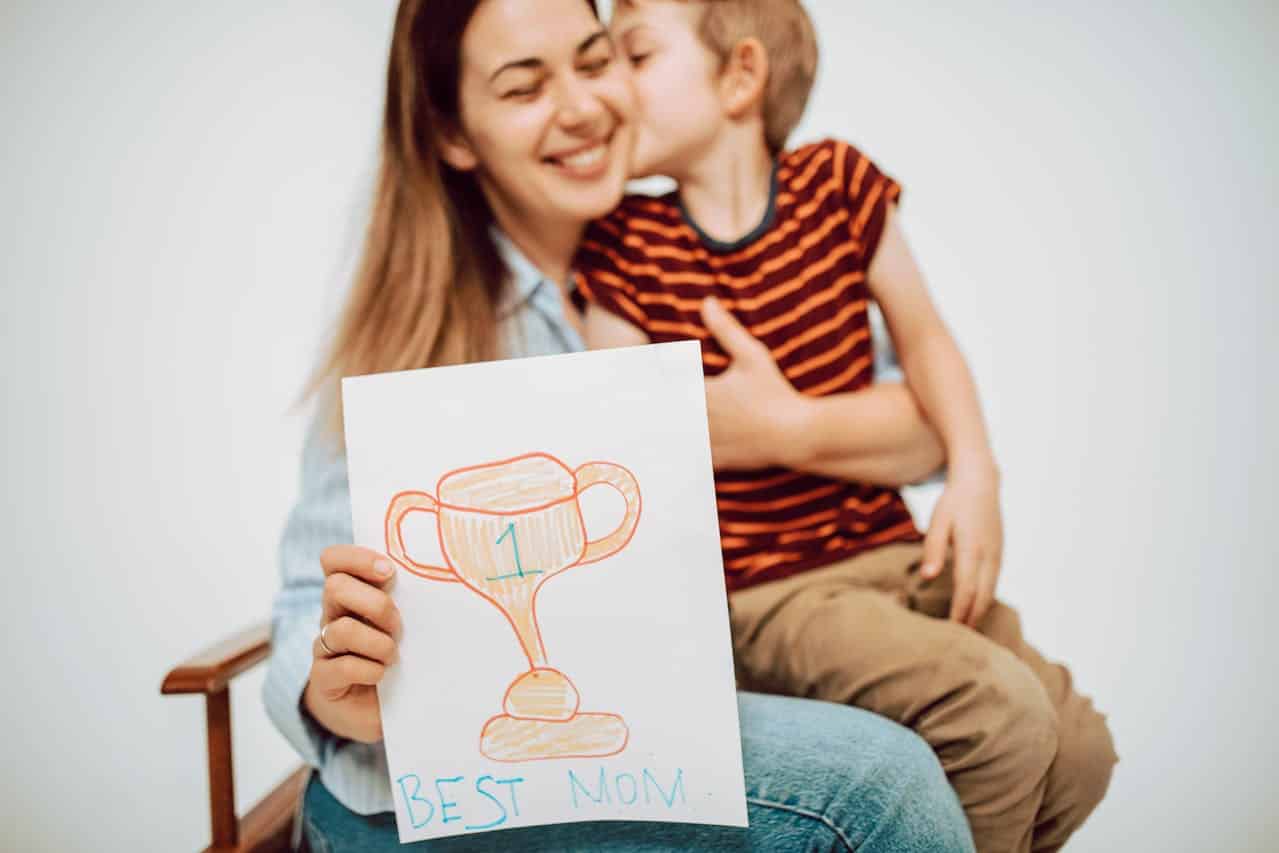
<point x="505" y="528"/>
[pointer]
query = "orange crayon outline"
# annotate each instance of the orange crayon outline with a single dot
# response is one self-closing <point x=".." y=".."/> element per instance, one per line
<point x="419" y="501"/>
<point x="577" y="704"/>
<point x="599" y="714"/>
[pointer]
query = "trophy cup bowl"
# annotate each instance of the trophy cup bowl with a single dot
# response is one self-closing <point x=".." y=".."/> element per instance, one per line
<point x="505" y="528"/>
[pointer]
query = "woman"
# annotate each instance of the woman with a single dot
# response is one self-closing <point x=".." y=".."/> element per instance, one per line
<point x="506" y="130"/>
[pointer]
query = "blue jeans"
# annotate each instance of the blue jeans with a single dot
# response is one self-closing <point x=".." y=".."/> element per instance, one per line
<point x="819" y="777"/>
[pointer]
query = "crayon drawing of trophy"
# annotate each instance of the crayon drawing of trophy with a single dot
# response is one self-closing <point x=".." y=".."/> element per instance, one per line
<point x="505" y="528"/>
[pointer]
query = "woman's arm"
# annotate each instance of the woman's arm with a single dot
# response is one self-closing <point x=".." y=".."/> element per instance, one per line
<point x="758" y="419"/>
<point x="967" y="518"/>
<point x="878" y="435"/>
<point x="323" y="703"/>
<point x="602" y="329"/>
<point x="321" y="517"/>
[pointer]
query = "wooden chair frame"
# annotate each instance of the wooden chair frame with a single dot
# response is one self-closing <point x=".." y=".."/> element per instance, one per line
<point x="268" y="826"/>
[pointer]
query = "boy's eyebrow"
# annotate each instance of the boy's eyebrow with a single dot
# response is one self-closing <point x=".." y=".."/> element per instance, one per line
<point x="638" y="28"/>
<point x="533" y="63"/>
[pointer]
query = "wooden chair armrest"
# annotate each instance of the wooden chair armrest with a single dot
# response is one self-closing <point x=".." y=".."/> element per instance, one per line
<point x="210" y="672"/>
<point x="212" y="669"/>
<point x="269" y="825"/>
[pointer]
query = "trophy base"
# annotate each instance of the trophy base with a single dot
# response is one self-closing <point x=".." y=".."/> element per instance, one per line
<point x="507" y="738"/>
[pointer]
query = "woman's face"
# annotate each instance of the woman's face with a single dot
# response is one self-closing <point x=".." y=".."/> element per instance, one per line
<point x="545" y="111"/>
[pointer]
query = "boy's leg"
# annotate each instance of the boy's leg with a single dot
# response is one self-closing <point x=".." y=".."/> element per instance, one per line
<point x="843" y="633"/>
<point x="1081" y="771"/>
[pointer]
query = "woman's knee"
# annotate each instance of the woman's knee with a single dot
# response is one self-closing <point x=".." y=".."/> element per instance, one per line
<point x="849" y="772"/>
<point x="903" y="800"/>
<point x="927" y="814"/>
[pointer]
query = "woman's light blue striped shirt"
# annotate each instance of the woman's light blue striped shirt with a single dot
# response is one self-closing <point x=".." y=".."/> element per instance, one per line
<point x="532" y="322"/>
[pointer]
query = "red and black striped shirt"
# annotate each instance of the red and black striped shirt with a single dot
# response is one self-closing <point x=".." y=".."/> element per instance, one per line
<point x="798" y="283"/>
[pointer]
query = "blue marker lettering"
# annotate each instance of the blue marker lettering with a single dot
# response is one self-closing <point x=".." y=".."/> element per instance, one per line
<point x="444" y="804"/>
<point x="515" y="807"/>
<point x="574" y="784"/>
<point x="677" y="787"/>
<point x="501" y="819"/>
<point x="634" y="788"/>
<point x="410" y="799"/>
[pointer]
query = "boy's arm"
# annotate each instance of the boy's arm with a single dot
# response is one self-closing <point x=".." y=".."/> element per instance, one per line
<point x="935" y="370"/>
<point x="758" y="419"/>
<point x="967" y="518"/>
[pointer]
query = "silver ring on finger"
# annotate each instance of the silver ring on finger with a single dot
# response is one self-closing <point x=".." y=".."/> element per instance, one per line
<point x="327" y="650"/>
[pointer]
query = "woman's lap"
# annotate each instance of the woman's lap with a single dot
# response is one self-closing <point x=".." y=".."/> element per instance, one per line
<point x="819" y="776"/>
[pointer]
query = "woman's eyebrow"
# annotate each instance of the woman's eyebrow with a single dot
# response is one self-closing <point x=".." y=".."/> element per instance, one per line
<point x="533" y="63"/>
<point x="589" y="41"/>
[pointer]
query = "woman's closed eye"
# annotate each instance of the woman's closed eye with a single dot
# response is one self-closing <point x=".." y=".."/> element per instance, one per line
<point x="637" y="59"/>
<point x="525" y="91"/>
<point x="596" y="66"/>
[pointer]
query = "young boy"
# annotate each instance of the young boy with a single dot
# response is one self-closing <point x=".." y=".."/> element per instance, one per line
<point x="832" y="594"/>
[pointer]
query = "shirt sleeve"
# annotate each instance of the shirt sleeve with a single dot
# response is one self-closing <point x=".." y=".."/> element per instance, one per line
<point x="869" y="194"/>
<point x="320" y="518"/>
<point x="355" y="773"/>
<point x="599" y="271"/>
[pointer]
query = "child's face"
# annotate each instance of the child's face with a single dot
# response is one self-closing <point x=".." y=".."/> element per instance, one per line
<point x="675" y="75"/>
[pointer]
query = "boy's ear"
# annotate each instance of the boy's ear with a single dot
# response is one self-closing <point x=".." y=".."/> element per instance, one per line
<point x="745" y="77"/>
<point x="457" y="152"/>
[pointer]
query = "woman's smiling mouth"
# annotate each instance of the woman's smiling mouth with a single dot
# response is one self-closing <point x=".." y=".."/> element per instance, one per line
<point x="586" y="162"/>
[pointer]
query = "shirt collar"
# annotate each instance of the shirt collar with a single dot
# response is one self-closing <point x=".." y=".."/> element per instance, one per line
<point x="523" y="280"/>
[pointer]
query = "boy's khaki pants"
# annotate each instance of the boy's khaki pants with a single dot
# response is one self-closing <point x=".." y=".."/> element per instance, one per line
<point x="1028" y="756"/>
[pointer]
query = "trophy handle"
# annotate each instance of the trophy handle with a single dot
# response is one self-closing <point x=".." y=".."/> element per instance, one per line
<point x="401" y="505"/>
<point x="597" y="473"/>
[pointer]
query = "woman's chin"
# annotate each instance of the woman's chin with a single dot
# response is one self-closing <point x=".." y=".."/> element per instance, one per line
<point x="599" y="207"/>
<point x="591" y="201"/>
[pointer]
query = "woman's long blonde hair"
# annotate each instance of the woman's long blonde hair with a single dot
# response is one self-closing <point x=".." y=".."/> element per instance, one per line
<point x="427" y="285"/>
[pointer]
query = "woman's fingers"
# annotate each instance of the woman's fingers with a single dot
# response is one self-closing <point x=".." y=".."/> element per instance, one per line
<point x="348" y="635"/>
<point x="364" y="563"/>
<point x="360" y="625"/>
<point x="334" y="677"/>
<point x="346" y="594"/>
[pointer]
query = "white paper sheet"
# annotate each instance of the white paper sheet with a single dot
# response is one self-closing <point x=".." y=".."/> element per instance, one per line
<point x="581" y="483"/>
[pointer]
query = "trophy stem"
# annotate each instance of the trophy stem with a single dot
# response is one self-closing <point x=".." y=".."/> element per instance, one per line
<point x="524" y="620"/>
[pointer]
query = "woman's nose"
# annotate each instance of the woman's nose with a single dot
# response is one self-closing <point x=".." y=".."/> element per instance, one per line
<point x="579" y="106"/>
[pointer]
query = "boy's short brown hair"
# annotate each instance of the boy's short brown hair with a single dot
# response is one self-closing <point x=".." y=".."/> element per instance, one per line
<point x="786" y="31"/>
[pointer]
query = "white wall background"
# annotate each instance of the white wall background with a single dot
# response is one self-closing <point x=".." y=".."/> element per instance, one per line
<point x="1091" y="190"/>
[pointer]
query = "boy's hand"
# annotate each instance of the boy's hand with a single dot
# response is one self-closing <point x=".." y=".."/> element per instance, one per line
<point x="752" y="408"/>
<point x="967" y="517"/>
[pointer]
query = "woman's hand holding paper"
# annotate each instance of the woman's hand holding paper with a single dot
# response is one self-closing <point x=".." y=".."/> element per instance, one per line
<point x="359" y="633"/>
